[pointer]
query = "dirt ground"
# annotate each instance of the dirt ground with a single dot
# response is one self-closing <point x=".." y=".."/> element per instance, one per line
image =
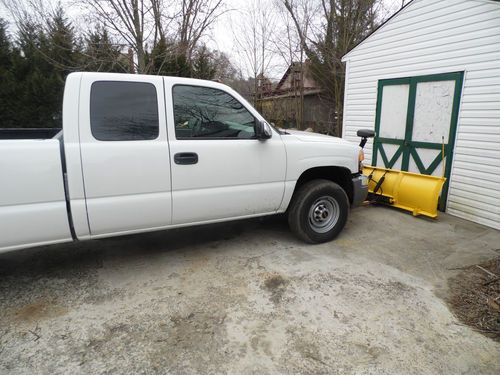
<point x="248" y="298"/>
<point x="474" y="297"/>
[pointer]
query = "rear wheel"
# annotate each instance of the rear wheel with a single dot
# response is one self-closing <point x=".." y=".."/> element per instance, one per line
<point x="318" y="211"/>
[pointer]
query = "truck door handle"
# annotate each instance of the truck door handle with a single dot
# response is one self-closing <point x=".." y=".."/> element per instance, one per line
<point x="186" y="158"/>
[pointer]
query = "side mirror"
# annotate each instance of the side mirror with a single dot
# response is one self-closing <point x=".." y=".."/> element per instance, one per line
<point x="262" y="130"/>
<point x="365" y="134"/>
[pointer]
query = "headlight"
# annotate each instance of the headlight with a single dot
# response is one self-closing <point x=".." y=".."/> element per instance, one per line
<point x="361" y="157"/>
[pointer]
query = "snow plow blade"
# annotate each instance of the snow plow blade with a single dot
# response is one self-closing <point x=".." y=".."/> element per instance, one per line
<point x="412" y="192"/>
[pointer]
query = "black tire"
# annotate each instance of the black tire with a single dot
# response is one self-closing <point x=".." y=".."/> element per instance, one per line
<point x="318" y="211"/>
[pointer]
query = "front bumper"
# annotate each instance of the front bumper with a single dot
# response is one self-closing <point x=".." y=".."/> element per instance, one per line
<point x="359" y="189"/>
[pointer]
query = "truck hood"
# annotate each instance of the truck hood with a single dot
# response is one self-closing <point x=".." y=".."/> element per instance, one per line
<point x="316" y="137"/>
<point x="307" y="150"/>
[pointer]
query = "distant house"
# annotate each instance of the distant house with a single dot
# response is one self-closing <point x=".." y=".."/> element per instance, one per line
<point x="428" y="80"/>
<point x="283" y="104"/>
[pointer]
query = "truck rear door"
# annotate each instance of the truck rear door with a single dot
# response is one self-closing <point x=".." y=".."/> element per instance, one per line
<point x="125" y="155"/>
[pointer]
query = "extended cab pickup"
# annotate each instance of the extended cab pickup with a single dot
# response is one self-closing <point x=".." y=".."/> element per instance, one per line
<point x="140" y="153"/>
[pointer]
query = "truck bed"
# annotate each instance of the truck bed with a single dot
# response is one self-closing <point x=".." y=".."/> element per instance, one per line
<point x="32" y="198"/>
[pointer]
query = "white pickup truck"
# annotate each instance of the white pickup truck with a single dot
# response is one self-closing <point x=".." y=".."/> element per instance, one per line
<point x="141" y="153"/>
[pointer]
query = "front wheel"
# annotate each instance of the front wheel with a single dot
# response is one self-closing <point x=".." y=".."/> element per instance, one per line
<point x="318" y="211"/>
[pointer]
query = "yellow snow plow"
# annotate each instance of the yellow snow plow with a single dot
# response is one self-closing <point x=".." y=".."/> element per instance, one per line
<point x="413" y="192"/>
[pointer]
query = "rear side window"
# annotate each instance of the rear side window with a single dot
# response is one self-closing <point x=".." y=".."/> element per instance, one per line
<point x="123" y="111"/>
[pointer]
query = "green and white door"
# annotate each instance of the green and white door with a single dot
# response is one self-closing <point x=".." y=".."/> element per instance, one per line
<point x="416" y="119"/>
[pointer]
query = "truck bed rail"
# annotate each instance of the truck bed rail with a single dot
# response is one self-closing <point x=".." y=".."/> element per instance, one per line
<point x="29" y="133"/>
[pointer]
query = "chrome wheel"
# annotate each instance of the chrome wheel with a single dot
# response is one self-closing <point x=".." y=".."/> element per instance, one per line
<point x="324" y="214"/>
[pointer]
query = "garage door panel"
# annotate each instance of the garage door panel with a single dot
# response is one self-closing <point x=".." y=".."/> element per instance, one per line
<point x="433" y="111"/>
<point x="394" y="111"/>
<point x="427" y="161"/>
<point x="393" y="157"/>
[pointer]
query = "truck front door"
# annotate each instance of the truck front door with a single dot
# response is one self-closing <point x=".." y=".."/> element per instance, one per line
<point x="219" y="169"/>
<point x="124" y="151"/>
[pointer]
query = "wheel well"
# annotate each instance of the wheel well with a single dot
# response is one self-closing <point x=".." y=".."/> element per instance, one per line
<point x="339" y="175"/>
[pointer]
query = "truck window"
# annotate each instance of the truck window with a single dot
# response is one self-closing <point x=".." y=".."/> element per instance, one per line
<point x="207" y="113"/>
<point x="123" y="111"/>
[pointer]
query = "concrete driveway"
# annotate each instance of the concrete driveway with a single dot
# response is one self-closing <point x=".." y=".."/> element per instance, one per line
<point x="248" y="298"/>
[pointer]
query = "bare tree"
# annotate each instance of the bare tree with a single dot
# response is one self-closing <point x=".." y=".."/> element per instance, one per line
<point x="252" y="32"/>
<point x="140" y="23"/>
<point x="291" y="50"/>
<point x="337" y="26"/>
<point x="134" y="21"/>
<point x="33" y="10"/>
<point x="194" y="19"/>
<point x="285" y="41"/>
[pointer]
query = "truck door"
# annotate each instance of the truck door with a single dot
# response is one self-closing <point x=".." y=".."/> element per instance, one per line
<point x="124" y="150"/>
<point x="219" y="169"/>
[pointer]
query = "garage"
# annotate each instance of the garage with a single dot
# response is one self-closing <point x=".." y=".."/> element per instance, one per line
<point x="428" y="82"/>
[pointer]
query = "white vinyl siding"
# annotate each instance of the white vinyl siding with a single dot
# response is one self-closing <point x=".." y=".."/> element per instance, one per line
<point x="432" y="37"/>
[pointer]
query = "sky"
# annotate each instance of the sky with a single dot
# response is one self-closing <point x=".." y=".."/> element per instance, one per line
<point x="221" y="36"/>
<point x="223" y="39"/>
